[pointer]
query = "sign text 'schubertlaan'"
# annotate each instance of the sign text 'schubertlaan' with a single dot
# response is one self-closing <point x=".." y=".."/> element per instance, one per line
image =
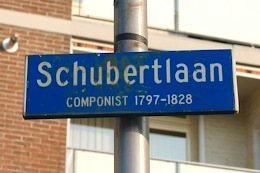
<point x="165" y="72"/>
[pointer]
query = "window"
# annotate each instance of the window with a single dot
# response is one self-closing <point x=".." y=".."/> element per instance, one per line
<point x="97" y="134"/>
<point x="215" y="19"/>
<point x="160" y="15"/>
<point x="91" y="143"/>
<point x="221" y="18"/>
<point x="167" y="145"/>
<point x="94" y="9"/>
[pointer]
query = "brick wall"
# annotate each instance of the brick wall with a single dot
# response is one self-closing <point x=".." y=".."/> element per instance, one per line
<point x="53" y="8"/>
<point x="28" y="146"/>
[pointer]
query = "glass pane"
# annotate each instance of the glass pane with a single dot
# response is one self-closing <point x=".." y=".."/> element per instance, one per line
<point x="75" y="7"/>
<point x="160" y="14"/>
<point x="102" y="9"/>
<point x="230" y="19"/>
<point x="167" y="146"/>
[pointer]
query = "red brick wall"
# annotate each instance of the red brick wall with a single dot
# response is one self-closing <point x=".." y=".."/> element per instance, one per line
<point x="54" y="8"/>
<point x="28" y="146"/>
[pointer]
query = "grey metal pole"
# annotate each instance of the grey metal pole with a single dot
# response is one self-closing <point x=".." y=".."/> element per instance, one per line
<point x="132" y="154"/>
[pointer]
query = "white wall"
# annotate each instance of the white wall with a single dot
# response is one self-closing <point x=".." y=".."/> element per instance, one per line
<point x="253" y="129"/>
<point x="226" y="140"/>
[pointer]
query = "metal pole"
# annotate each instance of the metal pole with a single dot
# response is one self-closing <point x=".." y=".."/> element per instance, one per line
<point x="132" y="154"/>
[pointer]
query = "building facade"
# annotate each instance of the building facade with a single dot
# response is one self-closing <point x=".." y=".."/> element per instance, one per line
<point x="178" y="144"/>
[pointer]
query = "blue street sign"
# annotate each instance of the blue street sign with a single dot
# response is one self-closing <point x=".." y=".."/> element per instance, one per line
<point x="130" y="84"/>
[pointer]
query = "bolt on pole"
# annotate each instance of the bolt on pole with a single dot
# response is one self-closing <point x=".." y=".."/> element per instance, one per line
<point x="132" y="153"/>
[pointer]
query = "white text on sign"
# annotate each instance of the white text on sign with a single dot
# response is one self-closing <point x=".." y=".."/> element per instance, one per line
<point x="162" y="73"/>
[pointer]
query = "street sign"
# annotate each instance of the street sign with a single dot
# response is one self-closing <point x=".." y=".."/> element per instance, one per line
<point x="133" y="83"/>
